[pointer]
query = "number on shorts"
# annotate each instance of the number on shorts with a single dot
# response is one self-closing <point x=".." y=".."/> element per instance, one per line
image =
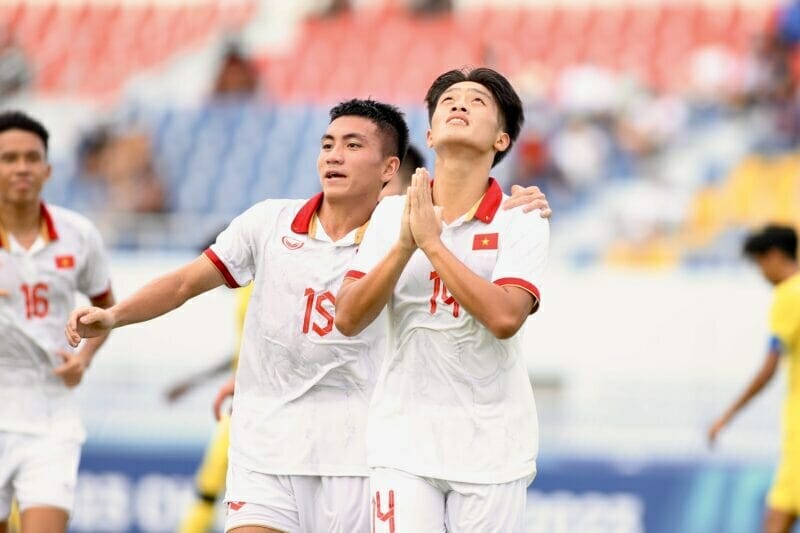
<point x="388" y="516"/>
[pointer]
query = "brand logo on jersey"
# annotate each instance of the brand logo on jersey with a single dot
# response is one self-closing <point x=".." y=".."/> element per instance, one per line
<point x="235" y="506"/>
<point x="65" y="261"/>
<point x="485" y="241"/>
<point x="292" y="244"/>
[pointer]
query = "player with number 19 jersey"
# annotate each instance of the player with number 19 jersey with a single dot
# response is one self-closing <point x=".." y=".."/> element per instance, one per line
<point x="41" y="282"/>
<point x="302" y="388"/>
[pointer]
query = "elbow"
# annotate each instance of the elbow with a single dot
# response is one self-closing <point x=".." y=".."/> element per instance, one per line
<point x="346" y="324"/>
<point x="505" y="327"/>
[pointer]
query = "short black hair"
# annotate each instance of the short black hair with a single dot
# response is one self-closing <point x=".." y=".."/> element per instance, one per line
<point x="17" y="120"/>
<point x="783" y="238"/>
<point x="389" y="120"/>
<point x="512" y="115"/>
<point x="413" y="160"/>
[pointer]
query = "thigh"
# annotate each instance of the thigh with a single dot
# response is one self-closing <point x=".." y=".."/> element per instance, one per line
<point x="776" y="521"/>
<point x="474" y="508"/>
<point x="333" y="504"/>
<point x="44" y="520"/>
<point x="404" y="503"/>
<point x="259" y="500"/>
<point x="47" y="476"/>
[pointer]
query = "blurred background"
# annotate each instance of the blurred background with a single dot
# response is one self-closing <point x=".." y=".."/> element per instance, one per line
<point x="661" y="131"/>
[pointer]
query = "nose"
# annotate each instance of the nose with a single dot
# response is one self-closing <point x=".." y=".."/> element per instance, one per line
<point x="457" y="107"/>
<point x="334" y="156"/>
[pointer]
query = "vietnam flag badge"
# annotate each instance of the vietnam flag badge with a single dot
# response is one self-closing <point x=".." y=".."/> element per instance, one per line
<point x="484" y="241"/>
<point x="65" y="261"/>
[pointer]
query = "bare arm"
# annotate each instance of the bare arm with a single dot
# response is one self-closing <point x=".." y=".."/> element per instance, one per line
<point x="502" y="310"/>
<point x="158" y="297"/>
<point x="756" y="385"/>
<point x="184" y="386"/>
<point x="360" y="301"/>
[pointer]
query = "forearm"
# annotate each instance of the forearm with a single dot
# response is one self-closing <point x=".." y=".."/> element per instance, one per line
<point x="90" y="348"/>
<point x="753" y="389"/>
<point x="489" y="303"/>
<point x="360" y="301"/>
<point x="166" y="293"/>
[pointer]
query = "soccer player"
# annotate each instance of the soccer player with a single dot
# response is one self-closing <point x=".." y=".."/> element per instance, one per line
<point x="297" y="459"/>
<point x="452" y="432"/>
<point x="47" y="254"/>
<point x="774" y="249"/>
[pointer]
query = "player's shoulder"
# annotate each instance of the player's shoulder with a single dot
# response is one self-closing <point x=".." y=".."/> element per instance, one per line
<point x="67" y="220"/>
<point x="516" y="219"/>
<point x="788" y="292"/>
<point x="271" y="209"/>
<point x="390" y="204"/>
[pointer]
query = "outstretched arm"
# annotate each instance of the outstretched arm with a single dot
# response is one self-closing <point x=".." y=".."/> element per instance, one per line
<point x="756" y="385"/>
<point x="158" y="297"/>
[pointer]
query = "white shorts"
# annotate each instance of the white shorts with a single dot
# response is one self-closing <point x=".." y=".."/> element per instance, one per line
<point x="405" y="503"/>
<point x="40" y="470"/>
<point x="297" y="504"/>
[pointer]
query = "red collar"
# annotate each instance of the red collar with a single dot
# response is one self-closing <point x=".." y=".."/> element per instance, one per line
<point x="488" y="205"/>
<point x="48" y="227"/>
<point x="302" y="221"/>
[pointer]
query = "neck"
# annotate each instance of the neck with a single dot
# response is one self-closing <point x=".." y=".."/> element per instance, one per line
<point x="339" y="217"/>
<point x="459" y="181"/>
<point x="19" y="219"/>
<point x="790" y="269"/>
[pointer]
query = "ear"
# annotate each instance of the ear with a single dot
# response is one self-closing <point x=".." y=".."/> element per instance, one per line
<point x="429" y="138"/>
<point x="502" y="142"/>
<point x="48" y="172"/>
<point x="390" y="169"/>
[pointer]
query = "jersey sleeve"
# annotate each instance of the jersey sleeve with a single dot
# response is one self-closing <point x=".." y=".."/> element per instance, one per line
<point x="783" y="322"/>
<point x="94" y="280"/>
<point x="234" y="252"/>
<point x="381" y="234"/>
<point x="522" y="254"/>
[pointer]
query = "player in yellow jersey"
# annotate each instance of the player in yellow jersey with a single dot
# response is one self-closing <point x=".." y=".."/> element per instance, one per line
<point x="774" y="249"/>
<point x="210" y="477"/>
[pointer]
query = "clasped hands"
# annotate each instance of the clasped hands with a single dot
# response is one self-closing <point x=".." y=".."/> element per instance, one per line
<point x="421" y="226"/>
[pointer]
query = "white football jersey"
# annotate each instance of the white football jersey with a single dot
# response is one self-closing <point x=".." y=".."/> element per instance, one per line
<point x="66" y="258"/>
<point x="452" y="401"/>
<point x="302" y="388"/>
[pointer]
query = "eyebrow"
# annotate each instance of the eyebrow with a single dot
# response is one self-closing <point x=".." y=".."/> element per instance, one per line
<point x="346" y="136"/>
<point x="470" y="89"/>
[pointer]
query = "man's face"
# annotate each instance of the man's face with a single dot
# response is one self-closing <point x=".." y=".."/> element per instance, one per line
<point x="467" y="115"/>
<point x="23" y="167"/>
<point x="351" y="161"/>
<point x="770" y="263"/>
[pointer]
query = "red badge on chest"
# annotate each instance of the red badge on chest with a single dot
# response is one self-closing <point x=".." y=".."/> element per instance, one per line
<point x="484" y="241"/>
<point x="65" y="261"/>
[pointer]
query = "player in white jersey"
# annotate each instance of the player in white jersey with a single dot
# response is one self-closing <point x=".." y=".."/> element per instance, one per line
<point x="297" y="458"/>
<point x="452" y="432"/>
<point x="47" y="254"/>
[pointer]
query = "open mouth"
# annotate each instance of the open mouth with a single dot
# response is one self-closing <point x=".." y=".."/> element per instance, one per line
<point x="458" y="121"/>
<point x="333" y="174"/>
